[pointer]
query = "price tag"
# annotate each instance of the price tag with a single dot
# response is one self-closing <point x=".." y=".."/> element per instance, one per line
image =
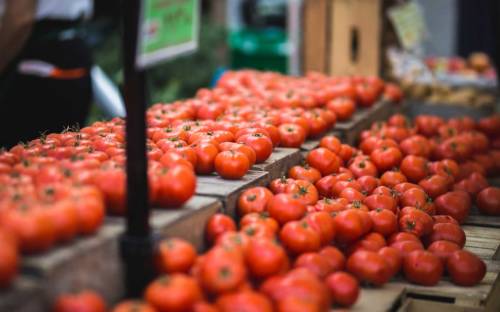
<point x="167" y="29"/>
<point x="409" y="23"/>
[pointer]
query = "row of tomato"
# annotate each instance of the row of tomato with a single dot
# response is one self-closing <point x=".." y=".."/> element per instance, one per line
<point x="61" y="185"/>
<point x="347" y="216"/>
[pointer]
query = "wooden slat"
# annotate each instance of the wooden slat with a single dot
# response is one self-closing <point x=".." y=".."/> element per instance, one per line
<point x="315" y="47"/>
<point x="280" y="161"/>
<point x="378" y="299"/>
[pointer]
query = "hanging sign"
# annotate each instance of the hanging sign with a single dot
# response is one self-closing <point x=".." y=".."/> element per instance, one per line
<point x="409" y="24"/>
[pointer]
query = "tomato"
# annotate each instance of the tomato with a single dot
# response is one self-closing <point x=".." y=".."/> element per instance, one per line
<point x="331" y="205"/>
<point x="63" y="215"/>
<point x="32" y="227"/>
<point x="173" y="158"/>
<point x="217" y="225"/>
<point x="456" y="204"/>
<point x="403" y="236"/>
<point x="407" y="246"/>
<point x="346" y="152"/>
<point x="372" y="241"/>
<point x="133" y="306"/>
<point x="264" y="257"/>
<point x="286" y="207"/>
<point x="305" y="172"/>
<point x="279" y="185"/>
<point x="299" y="237"/>
<point x="349" y="225"/>
<point x="175" y="255"/>
<point x="305" y="190"/>
<point x="384" y="221"/>
<point x="175" y="292"/>
<point x="342" y="107"/>
<point x="222" y="271"/>
<point x="489" y="125"/>
<point x="417" y="198"/>
<point x="368" y="184"/>
<point x="254" y="199"/>
<point x="258" y="229"/>
<point x="415" y="168"/>
<point x="249" y="152"/>
<point x="261" y="144"/>
<point x="343" y="287"/>
<point x="335" y="258"/>
<point x="202" y="306"/>
<point x="386" y="158"/>
<point x="326" y="183"/>
<point x="445" y="167"/>
<point x="488" y="201"/>
<point x="393" y="257"/>
<point x="205" y="155"/>
<point x="324" y="160"/>
<point x="291" y="135"/>
<point x="262" y="217"/>
<point x="352" y="195"/>
<point x="85" y="301"/>
<point x="465" y="268"/>
<point x="341" y="185"/>
<point x="9" y="259"/>
<point x="416" y="145"/>
<point x="377" y="201"/>
<point x="435" y="185"/>
<point x="444" y="219"/>
<point x="252" y="301"/>
<point x="449" y="232"/>
<point x="314" y="262"/>
<point x="112" y="183"/>
<point x="423" y="268"/>
<point x="331" y="142"/>
<point x="415" y="221"/>
<point x="369" y="266"/>
<point x="443" y="249"/>
<point x="323" y="223"/>
<point x="177" y="184"/>
<point x="231" y="165"/>
<point x="363" y="168"/>
<point x="405" y="186"/>
<point x="90" y="210"/>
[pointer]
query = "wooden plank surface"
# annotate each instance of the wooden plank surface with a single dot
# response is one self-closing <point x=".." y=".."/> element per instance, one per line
<point x="280" y="161"/>
<point x="228" y="191"/>
<point x="315" y="47"/>
<point x="379" y="299"/>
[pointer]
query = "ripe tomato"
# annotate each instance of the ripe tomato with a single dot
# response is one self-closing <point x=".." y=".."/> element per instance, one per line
<point x="415" y="168"/>
<point x="368" y="184"/>
<point x="416" y="145"/>
<point x="112" y="183"/>
<point x="331" y="142"/>
<point x="335" y="258"/>
<point x="86" y="300"/>
<point x="386" y="158"/>
<point x="352" y="195"/>
<point x="369" y="266"/>
<point x="258" y="229"/>
<point x="402" y="236"/>
<point x="231" y="164"/>
<point x="175" y="255"/>
<point x="346" y="152"/>
<point x="377" y="201"/>
<point x="444" y="219"/>
<point x="445" y="167"/>
<point x="372" y="241"/>
<point x="456" y="204"/>
<point x="384" y="221"/>
<point x="254" y="199"/>
<point x="299" y="237"/>
<point x="305" y="190"/>
<point x="417" y="198"/>
<point x="423" y="268"/>
<point x="305" y="172"/>
<point x="465" y="268"/>
<point x="331" y="205"/>
<point x="344" y="288"/>
<point x="262" y="217"/>
<point x="90" y="210"/>
<point x="217" y="225"/>
<point x="407" y="246"/>
<point x="324" y="160"/>
<point x="175" y="292"/>
<point x="291" y="135"/>
<point x="279" y="185"/>
<point x="341" y="185"/>
<point x="315" y="262"/>
<point x="393" y="257"/>
<point x="202" y="306"/>
<point x="249" y="152"/>
<point x="261" y="144"/>
<point x="249" y="299"/>
<point x="323" y="223"/>
<point x="343" y="107"/>
<point x="265" y="257"/>
<point x="448" y="232"/>
<point x="9" y="259"/>
<point x="435" y="185"/>
<point x="488" y="201"/>
<point x="286" y="207"/>
<point x="363" y="168"/>
<point x="415" y="221"/>
<point x="443" y="249"/>
<point x="405" y="186"/>
<point x="177" y="184"/>
<point x="205" y="155"/>
<point x="133" y="305"/>
<point x="64" y="219"/>
<point x="349" y="226"/>
<point x="222" y="271"/>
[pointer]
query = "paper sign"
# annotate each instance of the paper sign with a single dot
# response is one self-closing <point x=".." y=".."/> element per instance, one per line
<point x="409" y="23"/>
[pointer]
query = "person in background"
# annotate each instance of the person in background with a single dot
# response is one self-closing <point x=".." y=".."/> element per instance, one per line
<point x="45" y="67"/>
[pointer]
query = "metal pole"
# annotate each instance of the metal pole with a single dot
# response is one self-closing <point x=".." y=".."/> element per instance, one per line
<point x="136" y="243"/>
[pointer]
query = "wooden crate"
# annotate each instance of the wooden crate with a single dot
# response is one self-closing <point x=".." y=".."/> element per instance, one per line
<point x="315" y="41"/>
<point x="280" y="161"/>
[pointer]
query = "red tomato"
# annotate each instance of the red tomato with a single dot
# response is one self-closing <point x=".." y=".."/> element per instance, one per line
<point x="331" y="142"/>
<point x="393" y="257"/>
<point x="254" y="199"/>
<point x="231" y="164"/>
<point x="279" y="185"/>
<point x="335" y="258"/>
<point x="261" y="144"/>
<point x="449" y="232"/>
<point x="465" y="268"/>
<point x="384" y="221"/>
<point x="315" y="262"/>
<point x="305" y="172"/>
<point x="342" y="107"/>
<point x="324" y="160"/>
<point x="456" y="204"/>
<point x="377" y="201"/>
<point x="368" y="183"/>
<point x="369" y="266"/>
<point x="86" y="300"/>
<point x="222" y="271"/>
<point x="175" y="255"/>
<point x="286" y="207"/>
<point x="323" y="223"/>
<point x="205" y="155"/>
<point x="133" y="305"/>
<point x="363" y="168"/>
<point x="415" y="168"/>
<point x="177" y="184"/>
<point x="386" y="158"/>
<point x="488" y="201"/>
<point x="350" y="226"/>
<point x="423" y="268"/>
<point x="344" y="288"/>
<point x="443" y="249"/>
<point x="435" y="185"/>
<point x="217" y="225"/>
<point x="251" y="300"/>
<point x="264" y="257"/>
<point x="291" y="135"/>
<point x="299" y="237"/>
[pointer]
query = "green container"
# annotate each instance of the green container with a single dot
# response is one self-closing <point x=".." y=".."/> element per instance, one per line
<point x="264" y="49"/>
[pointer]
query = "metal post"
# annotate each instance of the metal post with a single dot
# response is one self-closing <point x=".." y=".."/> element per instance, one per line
<point x="136" y="243"/>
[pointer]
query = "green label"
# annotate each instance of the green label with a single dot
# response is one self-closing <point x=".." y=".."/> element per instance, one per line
<point x="169" y="28"/>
